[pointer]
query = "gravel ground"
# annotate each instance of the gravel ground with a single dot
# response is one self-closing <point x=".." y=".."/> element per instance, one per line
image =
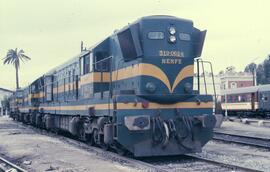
<point x="245" y="156"/>
<point x="187" y="164"/>
<point x="239" y="128"/>
<point x="237" y="154"/>
<point x="40" y="152"/>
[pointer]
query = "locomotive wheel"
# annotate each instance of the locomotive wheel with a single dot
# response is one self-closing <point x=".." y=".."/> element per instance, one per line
<point x="95" y="137"/>
<point x="90" y="140"/>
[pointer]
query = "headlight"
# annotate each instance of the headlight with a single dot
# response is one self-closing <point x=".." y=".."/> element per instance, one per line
<point x="172" y="39"/>
<point x="188" y="88"/>
<point x="150" y="87"/>
<point x="172" y="30"/>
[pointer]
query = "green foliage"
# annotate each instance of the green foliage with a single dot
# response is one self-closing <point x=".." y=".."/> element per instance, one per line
<point x="260" y="74"/>
<point x="262" y="71"/>
<point x="6" y="102"/>
<point x="266" y="66"/>
<point x="15" y="57"/>
<point x="250" y="68"/>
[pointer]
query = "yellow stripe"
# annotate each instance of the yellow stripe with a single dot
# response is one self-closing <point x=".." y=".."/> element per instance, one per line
<point x="19" y="100"/>
<point x="154" y="71"/>
<point x="181" y="105"/>
<point x="27" y="108"/>
<point x="36" y="95"/>
<point x="94" y="77"/>
<point x="184" y="73"/>
<point x="141" y="69"/>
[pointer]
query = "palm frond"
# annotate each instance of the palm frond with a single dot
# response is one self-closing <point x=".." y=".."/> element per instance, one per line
<point x="7" y="60"/>
<point x="15" y="57"/>
<point x="25" y="57"/>
<point x="22" y="56"/>
<point x="21" y="51"/>
<point x="10" y="57"/>
<point x="11" y="52"/>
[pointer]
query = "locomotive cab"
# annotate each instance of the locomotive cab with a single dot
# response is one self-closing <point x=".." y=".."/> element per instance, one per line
<point x="161" y="50"/>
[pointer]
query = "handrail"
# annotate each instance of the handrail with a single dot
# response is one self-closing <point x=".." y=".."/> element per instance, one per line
<point x="204" y="78"/>
<point x="212" y="75"/>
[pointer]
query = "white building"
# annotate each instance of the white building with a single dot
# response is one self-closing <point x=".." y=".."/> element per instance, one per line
<point x="3" y="93"/>
<point x="231" y="80"/>
<point x="206" y="84"/>
<point x="227" y="80"/>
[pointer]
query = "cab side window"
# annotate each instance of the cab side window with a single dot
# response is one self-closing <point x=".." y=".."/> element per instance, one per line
<point x="86" y="63"/>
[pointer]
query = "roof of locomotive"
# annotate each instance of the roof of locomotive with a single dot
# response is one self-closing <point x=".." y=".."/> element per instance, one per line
<point x="167" y="17"/>
<point x="153" y="17"/>
<point x="72" y="60"/>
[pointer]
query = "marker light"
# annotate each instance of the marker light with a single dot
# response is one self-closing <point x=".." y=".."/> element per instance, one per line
<point x="172" y="30"/>
<point x="172" y="39"/>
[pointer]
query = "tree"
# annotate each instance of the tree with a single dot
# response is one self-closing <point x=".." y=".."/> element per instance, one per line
<point x="266" y="66"/>
<point x="260" y="74"/>
<point x="6" y="102"/>
<point x="15" y="57"/>
<point x="251" y="68"/>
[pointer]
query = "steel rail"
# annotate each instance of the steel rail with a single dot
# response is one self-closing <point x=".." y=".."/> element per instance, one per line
<point x="261" y="142"/>
<point x="232" y="166"/>
<point x="9" y="166"/>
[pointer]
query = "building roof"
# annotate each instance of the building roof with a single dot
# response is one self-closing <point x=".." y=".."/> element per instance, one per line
<point x="264" y="87"/>
<point x="6" y="90"/>
<point x="251" y="89"/>
<point x="240" y="90"/>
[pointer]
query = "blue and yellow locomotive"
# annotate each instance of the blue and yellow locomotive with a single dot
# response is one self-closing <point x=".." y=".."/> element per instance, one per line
<point x="133" y="91"/>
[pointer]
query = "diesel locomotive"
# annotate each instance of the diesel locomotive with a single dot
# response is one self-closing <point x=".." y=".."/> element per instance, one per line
<point x="132" y="92"/>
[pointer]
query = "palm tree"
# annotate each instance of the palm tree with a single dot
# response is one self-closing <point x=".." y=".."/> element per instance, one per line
<point x="15" y="57"/>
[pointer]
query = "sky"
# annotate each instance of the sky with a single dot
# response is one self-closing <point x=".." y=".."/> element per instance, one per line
<point x="50" y="31"/>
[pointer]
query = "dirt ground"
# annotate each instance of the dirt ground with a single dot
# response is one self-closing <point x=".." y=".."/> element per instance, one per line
<point x="40" y="152"/>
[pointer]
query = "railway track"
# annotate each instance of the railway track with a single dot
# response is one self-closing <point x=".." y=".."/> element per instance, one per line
<point x="192" y="162"/>
<point x="242" y="139"/>
<point x="224" y="165"/>
<point x="7" y="166"/>
<point x="168" y="163"/>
